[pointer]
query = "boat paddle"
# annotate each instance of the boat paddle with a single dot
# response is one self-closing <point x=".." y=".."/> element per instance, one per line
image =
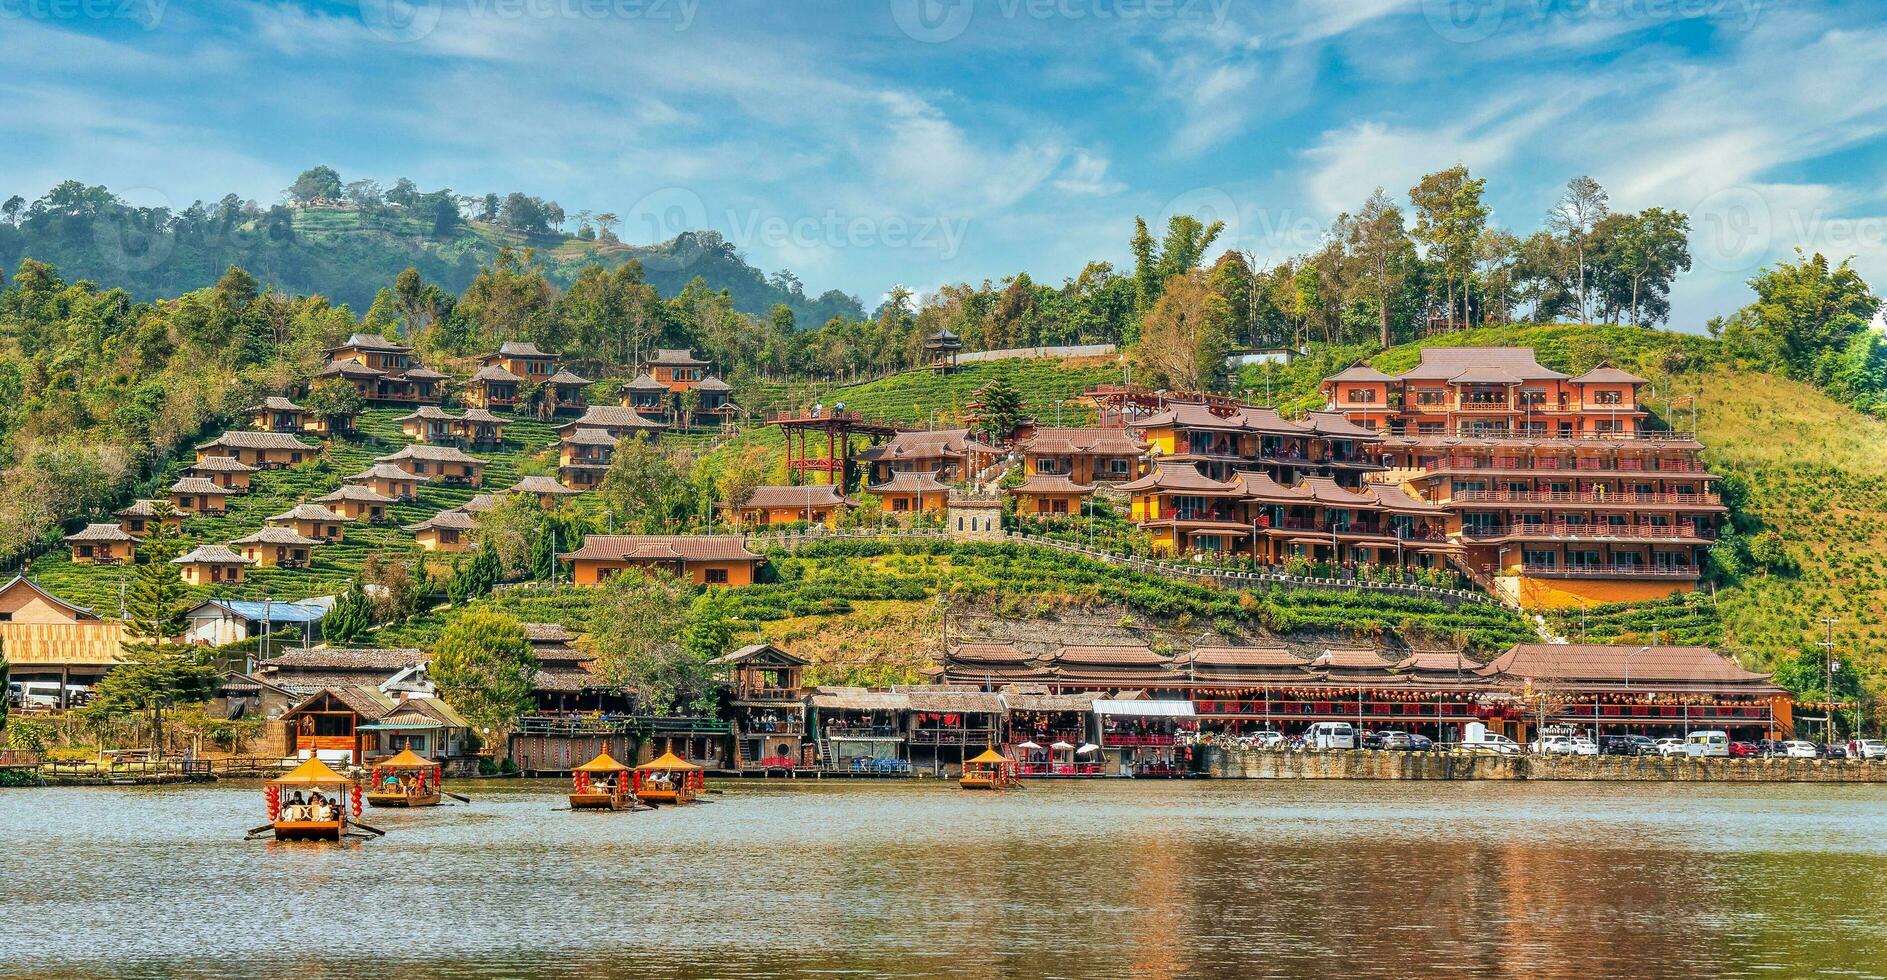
<point x="377" y="832"/>
<point x="254" y="832"/>
<point x="461" y="799"/>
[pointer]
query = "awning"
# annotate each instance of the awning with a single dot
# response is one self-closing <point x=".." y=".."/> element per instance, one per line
<point x="1145" y="709"/>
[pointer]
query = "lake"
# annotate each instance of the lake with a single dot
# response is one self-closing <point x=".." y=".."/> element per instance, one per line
<point x="1102" y="878"/>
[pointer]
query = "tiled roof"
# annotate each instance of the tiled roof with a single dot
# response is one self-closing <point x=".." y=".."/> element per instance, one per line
<point x="778" y="497"/>
<point x="276" y="535"/>
<point x="1181" y="477"/>
<point x="612" y="417"/>
<point x="350" y="369"/>
<point x="691" y="547"/>
<point x="307" y="512"/>
<point x="1445" y="363"/>
<point x="441" y="454"/>
<point x="197" y="484"/>
<point x="645" y="382"/>
<point x="454" y="519"/>
<point x="566" y="377"/>
<point x="1040" y="483"/>
<point x="276" y="403"/>
<point x="340" y="658"/>
<point x="1361" y="373"/>
<point x="1619" y="663"/>
<point x="212" y="554"/>
<point x="219" y="464"/>
<point x="384" y="471"/>
<point x="539" y="484"/>
<point x="139" y="508"/>
<point x="712" y="383"/>
<point x="522" y="348"/>
<point x="1606" y="374"/>
<point x="1099" y="441"/>
<point x="685" y="357"/>
<point x="928" y="444"/>
<point x="428" y="413"/>
<point x="909" y="482"/>
<point x="99" y="532"/>
<point x="348" y="491"/>
<point x="589" y="437"/>
<point x="250" y="439"/>
<point x="371" y="341"/>
<point x="495" y="373"/>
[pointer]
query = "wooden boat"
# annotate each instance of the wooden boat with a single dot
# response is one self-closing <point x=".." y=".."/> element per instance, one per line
<point x="308" y="821"/>
<point x="601" y="784"/>
<point x="992" y="770"/>
<point x="670" y="779"/>
<point x="406" y="780"/>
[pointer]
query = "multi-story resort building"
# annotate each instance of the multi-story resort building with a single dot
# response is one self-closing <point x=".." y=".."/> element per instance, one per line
<point x="659" y="391"/>
<point x="383" y="371"/>
<point x="502" y="376"/>
<point x="1552" y="484"/>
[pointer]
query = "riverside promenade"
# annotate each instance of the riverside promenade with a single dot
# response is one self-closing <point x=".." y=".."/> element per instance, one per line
<point x="1223" y="763"/>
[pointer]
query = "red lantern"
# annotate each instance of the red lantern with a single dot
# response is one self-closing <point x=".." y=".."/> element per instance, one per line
<point x="355" y="788"/>
<point x="274" y="796"/>
<point x="376" y="777"/>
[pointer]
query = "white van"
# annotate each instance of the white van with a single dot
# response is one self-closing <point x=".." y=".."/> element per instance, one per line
<point x="38" y="694"/>
<point x="1330" y="735"/>
<point x="1706" y="745"/>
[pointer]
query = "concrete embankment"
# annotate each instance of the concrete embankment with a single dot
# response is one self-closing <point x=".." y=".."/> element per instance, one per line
<point x="1365" y="764"/>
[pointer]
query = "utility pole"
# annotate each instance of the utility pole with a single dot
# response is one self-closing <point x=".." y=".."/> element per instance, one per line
<point x="1828" y="649"/>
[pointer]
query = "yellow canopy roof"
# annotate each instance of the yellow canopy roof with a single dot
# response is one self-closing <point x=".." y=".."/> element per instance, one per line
<point x="990" y="755"/>
<point x="668" y="762"/>
<point x="408" y="760"/>
<point x="314" y="772"/>
<point x="602" y="763"/>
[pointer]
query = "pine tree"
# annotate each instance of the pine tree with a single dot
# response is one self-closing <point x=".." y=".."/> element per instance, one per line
<point x="158" y="601"/>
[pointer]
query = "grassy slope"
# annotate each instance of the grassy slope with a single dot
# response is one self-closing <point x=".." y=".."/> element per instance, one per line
<point x="276" y="491"/>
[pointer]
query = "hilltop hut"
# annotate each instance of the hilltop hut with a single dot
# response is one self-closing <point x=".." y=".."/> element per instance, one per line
<point x="357" y="503"/>
<point x="142" y="516"/>
<point x="447" y="531"/>
<point x="547" y="490"/>
<point x="228" y="472"/>
<point x="387" y="480"/>
<point x="196" y="495"/>
<point x="276" y="547"/>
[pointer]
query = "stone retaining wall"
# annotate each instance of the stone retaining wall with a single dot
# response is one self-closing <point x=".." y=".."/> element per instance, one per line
<point x="1365" y="764"/>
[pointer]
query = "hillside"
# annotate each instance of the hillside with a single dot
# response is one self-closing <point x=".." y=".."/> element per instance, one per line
<point x="348" y="256"/>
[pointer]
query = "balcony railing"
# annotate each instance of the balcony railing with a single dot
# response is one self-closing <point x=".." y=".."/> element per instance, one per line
<point x="953" y="736"/>
<point x="1335" y="708"/>
<point x="1614" y="570"/>
<point x="1655" y="532"/>
<point x="1112" y="740"/>
<point x="1548" y="463"/>
<point x="1583" y="497"/>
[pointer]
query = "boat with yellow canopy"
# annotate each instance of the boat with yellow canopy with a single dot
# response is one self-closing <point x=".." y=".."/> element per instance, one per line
<point x="991" y="770"/>
<point x="668" y="779"/>
<point x="311" y="802"/>
<point x="406" y="780"/>
<point x="601" y="784"/>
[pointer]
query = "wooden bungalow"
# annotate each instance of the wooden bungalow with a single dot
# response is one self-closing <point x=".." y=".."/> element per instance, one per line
<point x="311" y="521"/>
<point x="1050" y="496"/>
<point x="816" y="504"/>
<point x="584" y="456"/>
<point x="478" y="427"/>
<point x="428" y="423"/>
<point x="227" y="472"/>
<point x="908" y="492"/>
<point x="547" y="491"/>
<point x="714" y="402"/>
<point x="860" y="730"/>
<point x="566" y="391"/>
<point x="704" y="559"/>
<point x="387" y="480"/>
<point x="141" y="516"/>
<point x="211" y="564"/>
<point x="46" y="638"/>
<point x="677" y="370"/>
<point x="277" y="547"/>
<point x="951" y="455"/>
<point x="493" y="387"/>
<point x="767" y="709"/>
<point x="308" y="669"/>
<point x="645" y="395"/>
<point x="447" y="531"/>
<point x="196" y="495"/>
<point x="383" y="371"/>
<point x="619" y="423"/>
<point x="523" y="359"/>
<point x="952" y="723"/>
<point x="101" y="544"/>
<point x="357" y="503"/>
<point x="263" y="450"/>
<point x="327" y="724"/>
<point x="424" y="725"/>
<point x="278" y="414"/>
<point x="443" y="463"/>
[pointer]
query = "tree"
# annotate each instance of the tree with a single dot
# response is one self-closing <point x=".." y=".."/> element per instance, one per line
<point x="316" y="185"/>
<point x="351" y="618"/>
<point x="1813" y="323"/>
<point x="1642" y="255"/>
<point x="336" y="401"/>
<point x="1186" y="337"/>
<point x="1575" y="216"/>
<point x="644" y="486"/>
<point x="1449" y="218"/>
<point x="158" y="598"/>
<point x="637" y="633"/>
<point x="1001" y="413"/>
<point x="1379" y="244"/>
<point x="483" y="666"/>
<point x="150" y="678"/>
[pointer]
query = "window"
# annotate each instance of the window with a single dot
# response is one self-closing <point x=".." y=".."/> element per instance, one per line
<point x="1607" y="398"/>
<point x="1362" y="396"/>
<point x="714" y="576"/>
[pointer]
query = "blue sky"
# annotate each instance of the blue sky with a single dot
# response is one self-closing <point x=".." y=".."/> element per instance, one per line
<point x="922" y="142"/>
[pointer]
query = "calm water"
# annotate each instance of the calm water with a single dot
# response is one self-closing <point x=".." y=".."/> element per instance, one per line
<point x="1116" y="878"/>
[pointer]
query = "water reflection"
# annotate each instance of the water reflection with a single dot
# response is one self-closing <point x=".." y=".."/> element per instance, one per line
<point x="1145" y="878"/>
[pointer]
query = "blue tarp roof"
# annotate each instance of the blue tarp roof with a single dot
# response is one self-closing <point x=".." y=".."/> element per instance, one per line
<point x="277" y="612"/>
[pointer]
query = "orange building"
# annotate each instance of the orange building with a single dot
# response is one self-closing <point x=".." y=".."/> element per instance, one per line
<point x="357" y="503"/>
<point x="211" y="564"/>
<point x="714" y="559"/>
<point x="816" y="504"/>
<point x="383" y="371"/>
<point x="196" y="495"/>
<point x="1553" y="486"/>
<point x="387" y="480"/>
<point x="1224" y="438"/>
<point x="909" y="492"/>
<point x="262" y="450"/>
<point x="1050" y="496"/>
<point x="311" y="521"/>
<point x="141" y="516"/>
<point x="225" y="471"/>
<point x="277" y="547"/>
<point x="444" y="463"/>
<point x="447" y="531"/>
<point x="583" y="457"/>
<point x="950" y="455"/>
<point x="101" y="544"/>
<point x="1083" y="455"/>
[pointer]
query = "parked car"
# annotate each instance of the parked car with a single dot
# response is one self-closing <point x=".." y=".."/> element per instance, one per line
<point x="1627" y="745"/>
<point x="1369" y="740"/>
<point x="1476" y="738"/>
<point x="1268" y="739"/>
<point x="1798" y="749"/>
<point x="1772" y="748"/>
<point x="1392" y="740"/>
<point x="1743" y="750"/>
<point x="1584" y="745"/>
<point x="1330" y="735"/>
<point x="1867" y="748"/>
<point x="1834" y="751"/>
<point x="1420" y="743"/>
<point x="1707" y="745"/>
<point x="1551" y="745"/>
<point x="1668" y="747"/>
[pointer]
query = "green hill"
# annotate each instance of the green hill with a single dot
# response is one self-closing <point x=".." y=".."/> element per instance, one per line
<point x="347" y="255"/>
